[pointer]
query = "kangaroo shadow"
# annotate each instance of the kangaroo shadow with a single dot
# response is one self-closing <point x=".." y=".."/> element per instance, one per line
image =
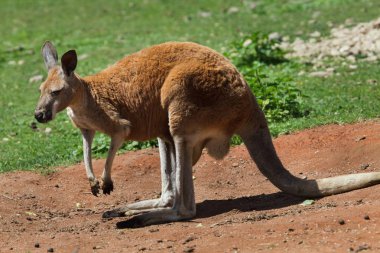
<point x="210" y="208"/>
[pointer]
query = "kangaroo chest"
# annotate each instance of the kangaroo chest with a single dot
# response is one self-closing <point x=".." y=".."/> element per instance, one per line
<point x="82" y="121"/>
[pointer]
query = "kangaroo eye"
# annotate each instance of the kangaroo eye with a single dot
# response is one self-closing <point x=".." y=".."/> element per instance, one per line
<point x="55" y="92"/>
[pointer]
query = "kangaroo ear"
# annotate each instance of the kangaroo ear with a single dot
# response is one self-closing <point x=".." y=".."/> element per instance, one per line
<point x="50" y="55"/>
<point x="69" y="62"/>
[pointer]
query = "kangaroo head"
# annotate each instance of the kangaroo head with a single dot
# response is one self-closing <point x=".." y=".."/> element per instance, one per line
<point x="59" y="88"/>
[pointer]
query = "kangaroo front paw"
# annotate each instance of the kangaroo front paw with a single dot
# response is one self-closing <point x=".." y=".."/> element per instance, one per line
<point x="107" y="186"/>
<point x="95" y="187"/>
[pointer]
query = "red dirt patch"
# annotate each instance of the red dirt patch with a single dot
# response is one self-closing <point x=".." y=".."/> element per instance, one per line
<point x="238" y="210"/>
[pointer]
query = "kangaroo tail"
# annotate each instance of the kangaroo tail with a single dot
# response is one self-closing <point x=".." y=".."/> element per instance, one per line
<point x="260" y="146"/>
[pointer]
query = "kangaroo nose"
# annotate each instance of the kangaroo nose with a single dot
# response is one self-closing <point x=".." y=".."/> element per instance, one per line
<point x="43" y="116"/>
<point x="39" y="117"/>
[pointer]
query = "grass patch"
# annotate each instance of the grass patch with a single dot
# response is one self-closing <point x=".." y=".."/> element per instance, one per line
<point x="102" y="33"/>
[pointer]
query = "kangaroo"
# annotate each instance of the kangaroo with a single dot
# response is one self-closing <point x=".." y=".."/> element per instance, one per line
<point x="187" y="96"/>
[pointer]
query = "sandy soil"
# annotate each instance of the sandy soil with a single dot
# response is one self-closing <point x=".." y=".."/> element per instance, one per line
<point x="238" y="210"/>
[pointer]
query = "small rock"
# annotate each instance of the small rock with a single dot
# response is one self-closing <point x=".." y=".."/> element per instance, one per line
<point x="50" y="250"/>
<point x="82" y="57"/>
<point x="232" y="10"/>
<point x="361" y="248"/>
<point x="366" y="217"/>
<point x="189" y="249"/>
<point x="247" y="43"/>
<point x="341" y="222"/>
<point x="352" y="66"/>
<point x="351" y="58"/>
<point x="364" y="166"/>
<point x="31" y="213"/>
<point x="189" y="239"/>
<point x="36" y="245"/>
<point x="204" y="14"/>
<point x="274" y="36"/>
<point x="372" y="81"/>
<point x="315" y="34"/>
<point x="307" y="202"/>
<point x="360" y="138"/>
<point x="359" y="202"/>
<point x="235" y="164"/>
<point x="48" y="130"/>
<point x="152" y="230"/>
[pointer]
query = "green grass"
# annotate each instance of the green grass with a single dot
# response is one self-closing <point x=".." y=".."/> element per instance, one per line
<point x="107" y="30"/>
<point x="345" y="98"/>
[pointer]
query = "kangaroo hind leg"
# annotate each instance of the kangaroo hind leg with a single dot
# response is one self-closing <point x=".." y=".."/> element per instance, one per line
<point x="167" y="160"/>
<point x="184" y="200"/>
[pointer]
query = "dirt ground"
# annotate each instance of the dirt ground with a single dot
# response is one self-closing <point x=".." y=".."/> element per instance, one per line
<point x="238" y="210"/>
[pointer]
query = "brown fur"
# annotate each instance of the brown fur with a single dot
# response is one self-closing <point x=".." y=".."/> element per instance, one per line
<point x="185" y="82"/>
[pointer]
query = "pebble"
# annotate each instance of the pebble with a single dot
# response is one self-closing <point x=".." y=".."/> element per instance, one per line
<point x="232" y="10"/>
<point x="204" y="14"/>
<point x="189" y="239"/>
<point x="341" y="222"/>
<point x="36" y="245"/>
<point x="189" y="250"/>
<point x="361" y="138"/>
<point x="366" y="217"/>
<point x="364" y="166"/>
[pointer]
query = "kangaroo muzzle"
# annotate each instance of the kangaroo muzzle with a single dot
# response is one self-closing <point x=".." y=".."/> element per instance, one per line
<point x="43" y="116"/>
